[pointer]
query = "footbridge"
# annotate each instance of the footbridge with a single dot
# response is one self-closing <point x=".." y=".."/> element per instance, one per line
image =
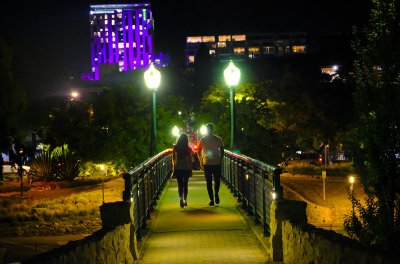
<point x="253" y="223"/>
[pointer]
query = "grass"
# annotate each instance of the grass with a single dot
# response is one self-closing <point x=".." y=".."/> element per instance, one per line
<point x="76" y="210"/>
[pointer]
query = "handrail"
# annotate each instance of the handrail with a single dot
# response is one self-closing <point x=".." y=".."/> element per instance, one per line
<point x="256" y="162"/>
<point x="144" y="184"/>
<point x="255" y="183"/>
<point x="146" y="163"/>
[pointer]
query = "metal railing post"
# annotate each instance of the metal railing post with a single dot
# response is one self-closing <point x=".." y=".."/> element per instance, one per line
<point x="276" y="181"/>
<point x="255" y="183"/>
<point x="266" y="230"/>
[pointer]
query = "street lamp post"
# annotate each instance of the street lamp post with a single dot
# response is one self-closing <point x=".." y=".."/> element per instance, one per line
<point x="232" y="77"/>
<point x="352" y="180"/>
<point x="152" y="78"/>
<point x="102" y="168"/>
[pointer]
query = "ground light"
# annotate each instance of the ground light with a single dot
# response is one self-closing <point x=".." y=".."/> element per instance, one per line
<point x="351" y="180"/>
<point x="152" y="77"/>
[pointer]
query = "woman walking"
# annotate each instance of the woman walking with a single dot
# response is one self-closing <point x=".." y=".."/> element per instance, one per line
<point x="182" y="166"/>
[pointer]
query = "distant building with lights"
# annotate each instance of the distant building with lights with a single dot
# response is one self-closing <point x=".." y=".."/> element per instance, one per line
<point x="246" y="46"/>
<point x="121" y="38"/>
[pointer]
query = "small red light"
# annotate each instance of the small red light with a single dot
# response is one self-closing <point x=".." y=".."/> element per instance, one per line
<point x="195" y="146"/>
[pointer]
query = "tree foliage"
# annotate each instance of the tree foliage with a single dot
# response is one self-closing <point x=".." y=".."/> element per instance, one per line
<point x="114" y="125"/>
<point x="294" y="108"/>
<point x="377" y="137"/>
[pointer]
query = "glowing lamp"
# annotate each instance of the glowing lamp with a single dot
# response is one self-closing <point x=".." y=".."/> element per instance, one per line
<point x="351" y="179"/>
<point x="273" y="194"/>
<point x="175" y="131"/>
<point x="232" y="75"/>
<point x="152" y="77"/>
<point x="203" y="130"/>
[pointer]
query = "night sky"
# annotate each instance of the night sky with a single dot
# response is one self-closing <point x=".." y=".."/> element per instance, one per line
<point x="56" y="36"/>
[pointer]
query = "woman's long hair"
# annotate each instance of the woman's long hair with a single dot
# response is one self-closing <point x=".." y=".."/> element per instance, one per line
<point x="182" y="145"/>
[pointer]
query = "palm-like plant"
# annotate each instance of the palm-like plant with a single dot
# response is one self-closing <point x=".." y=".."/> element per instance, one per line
<point x="42" y="166"/>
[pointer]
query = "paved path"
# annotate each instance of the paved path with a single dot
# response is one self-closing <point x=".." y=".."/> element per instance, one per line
<point x="200" y="233"/>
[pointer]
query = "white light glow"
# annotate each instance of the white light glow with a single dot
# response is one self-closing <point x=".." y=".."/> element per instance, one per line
<point x="232" y="75"/>
<point x="175" y="131"/>
<point x="203" y="130"/>
<point x="152" y="77"/>
<point x="351" y="179"/>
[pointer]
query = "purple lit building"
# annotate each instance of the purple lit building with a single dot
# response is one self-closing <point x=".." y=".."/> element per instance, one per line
<point x="121" y="38"/>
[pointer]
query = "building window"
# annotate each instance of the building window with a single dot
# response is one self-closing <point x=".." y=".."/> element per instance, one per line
<point x="254" y="50"/>
<point x="208" y="39"/>
<point x="193" y="39"/>
<point x="239" y="50"/>
<point x="224" y="38"/>
<point x="191" y="59"/>
<point x="221" y="44"/>
<point x="299" y="49"/>
<point x="269" y="50"/>
<point x="239" y="37"/>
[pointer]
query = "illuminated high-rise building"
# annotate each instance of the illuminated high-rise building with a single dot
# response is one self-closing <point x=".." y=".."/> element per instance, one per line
<point x="121" y="38"/>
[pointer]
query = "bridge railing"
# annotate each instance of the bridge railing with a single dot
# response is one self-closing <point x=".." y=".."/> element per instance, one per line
<point x="255" y="183"/>
<point x="144" y="184"/>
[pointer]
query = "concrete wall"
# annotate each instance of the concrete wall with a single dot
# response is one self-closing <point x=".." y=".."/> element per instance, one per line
<point x="114" y="243"/>
<point x="294" y="241"/>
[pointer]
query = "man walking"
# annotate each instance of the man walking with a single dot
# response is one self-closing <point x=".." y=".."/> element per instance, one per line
<point x="211" y="153"/>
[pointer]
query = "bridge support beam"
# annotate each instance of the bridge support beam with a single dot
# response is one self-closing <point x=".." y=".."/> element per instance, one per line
<point x="294" y="211"/>
<point x="117" y="214"/>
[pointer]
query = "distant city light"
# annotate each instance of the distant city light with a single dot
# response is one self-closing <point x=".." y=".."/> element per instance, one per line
<point x="74" y="95"/>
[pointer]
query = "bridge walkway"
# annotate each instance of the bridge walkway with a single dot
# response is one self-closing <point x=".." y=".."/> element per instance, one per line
<point x="199" y="233"/>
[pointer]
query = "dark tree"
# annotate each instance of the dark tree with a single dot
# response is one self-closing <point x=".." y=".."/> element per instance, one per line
<point x="377" y="137"/>
<point x="12" y="103"/>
